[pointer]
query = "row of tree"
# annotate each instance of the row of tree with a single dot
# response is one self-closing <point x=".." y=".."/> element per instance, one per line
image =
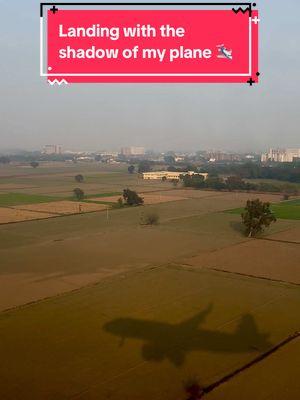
<point x="289" y="172"/>
<point x="234" y="183"/>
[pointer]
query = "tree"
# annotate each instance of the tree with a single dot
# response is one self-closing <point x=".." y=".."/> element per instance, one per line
<point x="150" y="219"/>
<point x="235" y="183"/>
<point x="131" y="198"/>
<point x="169" y="159"/>
<point x="216" y="183"/>
<point x="34" y="164"/>
<point x="257" y="217"/>
<point x="4" y="160"/>
<point x="164" y="178"/>
<point x="195" y="181"/>
<point x="78" y="193"/>
<point x="79" y="178"/>
<point x="144" y="166"/>
<point x="131" y="169"/>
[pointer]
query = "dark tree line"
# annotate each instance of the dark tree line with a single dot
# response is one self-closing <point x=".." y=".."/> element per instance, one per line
<point x="289" y="172"/>
<point x="233" y="183"/>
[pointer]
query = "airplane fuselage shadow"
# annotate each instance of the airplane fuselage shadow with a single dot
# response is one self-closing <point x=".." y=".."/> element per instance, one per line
<point x="174" y="341"/>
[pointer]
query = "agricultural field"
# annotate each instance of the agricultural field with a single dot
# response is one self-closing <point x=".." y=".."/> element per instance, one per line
<point x="149" y="198"/>
<point x="283" y="210"/>
<point x="167" y="325"/>
<point x="62" y="207"/>
<point x="15" y="199"/>
<point x="95" y="305"/>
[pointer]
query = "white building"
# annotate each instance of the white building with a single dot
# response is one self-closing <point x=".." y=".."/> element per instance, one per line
<point x="169" y="175"/>
<point x="133" y="151"/>
<point x="52" y="149"/>
<point x="281" y="155"/>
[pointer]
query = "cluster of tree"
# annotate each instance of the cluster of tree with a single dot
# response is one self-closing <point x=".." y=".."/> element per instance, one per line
<point x="28" y="156"/>
<point x="257" y="216"/>
<point x="235" y="183"/>
<point x="78" y="193"/>
<point x="144" y="166"/>
<point x="4" y="160"/>
<point x="79" y="178"/>
<point x="183" y="168"/>
<point x="34" y="164"/>
<point x="131" y="198"/>
<point x="131" y="169"/>
<point x="289" y="172"/>
<point x="198" y="182"/>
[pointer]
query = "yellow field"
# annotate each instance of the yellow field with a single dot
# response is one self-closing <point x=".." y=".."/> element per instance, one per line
<point x="9" y="215"/>
<point x="63" y="207"/>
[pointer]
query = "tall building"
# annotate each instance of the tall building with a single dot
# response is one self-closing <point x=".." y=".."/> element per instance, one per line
<point x="52" y="149"/>
<point x="281" y="155"/>
<point x="133" y="151"/>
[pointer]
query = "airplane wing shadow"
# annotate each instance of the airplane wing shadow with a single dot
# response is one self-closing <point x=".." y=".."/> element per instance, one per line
<point x="173" y="341"/>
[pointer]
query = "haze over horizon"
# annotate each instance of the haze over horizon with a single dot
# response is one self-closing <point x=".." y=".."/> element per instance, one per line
<point x="185" y="117"/>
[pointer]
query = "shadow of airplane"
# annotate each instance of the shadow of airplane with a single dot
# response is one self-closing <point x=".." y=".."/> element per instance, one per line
<point x="173" y="341"/>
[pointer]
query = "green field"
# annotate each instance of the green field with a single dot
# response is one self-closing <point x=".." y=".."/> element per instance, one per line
<point x="283" y="210"/>
<point x="15" y="199"/>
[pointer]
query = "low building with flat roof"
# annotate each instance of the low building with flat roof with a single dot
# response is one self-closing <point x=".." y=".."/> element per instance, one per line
<point x="169" y="175"/>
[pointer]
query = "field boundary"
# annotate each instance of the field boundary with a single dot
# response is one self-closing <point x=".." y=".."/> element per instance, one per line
<point x="248" y="275"/>
<point x="250" y="364"/>
<point x="46" y="218"/>
<point x="102" y="281"/>
<point x="278" y="240"/>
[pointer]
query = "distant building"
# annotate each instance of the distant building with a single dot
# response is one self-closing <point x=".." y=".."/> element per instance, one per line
<point x="219" y="156"/>
<point x="133" y="151"/>
<point x="159" y="175"/>
<point x="281" y="155"/>
<point x="52" y="149"/>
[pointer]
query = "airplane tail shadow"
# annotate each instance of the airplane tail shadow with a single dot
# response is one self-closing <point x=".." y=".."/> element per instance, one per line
<point x="173" y="341"/>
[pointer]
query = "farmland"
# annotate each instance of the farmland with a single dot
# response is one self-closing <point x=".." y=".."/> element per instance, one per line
<point x="283" y="210"/>
<point x="94" y="305"/>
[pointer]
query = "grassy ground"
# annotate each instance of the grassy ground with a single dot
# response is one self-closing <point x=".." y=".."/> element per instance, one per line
<point x="15" y="199"/>
<point x="283" y="210"/>
<point x="166" y="325"/>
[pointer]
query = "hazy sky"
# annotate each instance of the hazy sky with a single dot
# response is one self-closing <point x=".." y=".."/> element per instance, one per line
<point x="157" y="116"/>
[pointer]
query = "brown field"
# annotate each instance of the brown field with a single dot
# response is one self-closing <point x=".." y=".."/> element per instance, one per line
<point x="120" y="271"/>
<point x="63" y="207"/>
<point x="168" y="195"/>
<point x="9" y="215"/>
<point x="149" y="198"/>
<point x="201" y="194"/>
<point x="275" y="378"/>
<point x="291" y="235"/>
<point x="143" y="335"/>
<point x="60" y="254"/>
<point x="255" y="258"/>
